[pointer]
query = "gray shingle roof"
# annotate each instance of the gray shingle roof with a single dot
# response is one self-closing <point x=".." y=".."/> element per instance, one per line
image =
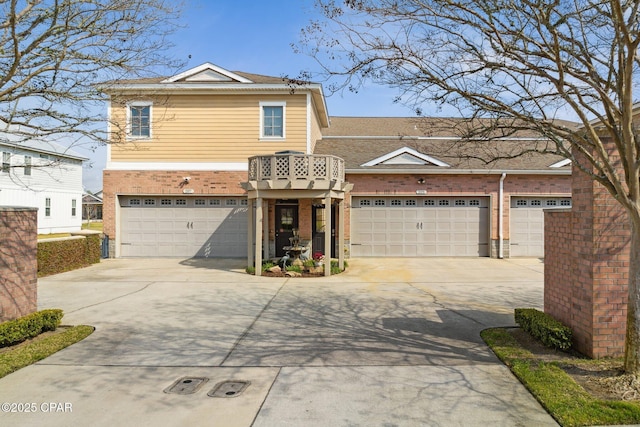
<point x="359" y="140"/>
<point x="255" y="78"/>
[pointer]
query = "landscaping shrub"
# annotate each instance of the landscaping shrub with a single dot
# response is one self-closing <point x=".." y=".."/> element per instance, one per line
<point x="15" y="331"/>
<point x="544" y="328"/>
<point x="335" y="267"/>
<point x="57" y="256"/>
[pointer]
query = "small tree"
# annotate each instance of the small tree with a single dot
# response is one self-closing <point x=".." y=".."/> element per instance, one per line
<point x="509" y="65"/>
<point x="53" y="52"/>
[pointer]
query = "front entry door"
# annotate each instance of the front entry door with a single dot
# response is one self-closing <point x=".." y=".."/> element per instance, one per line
<point x="319" y="229"/>
<point x="286" y="221"/>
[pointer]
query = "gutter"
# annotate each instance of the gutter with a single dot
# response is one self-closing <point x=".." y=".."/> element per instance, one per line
<point x="451" y="171"/>
<point x="501" y="217"/>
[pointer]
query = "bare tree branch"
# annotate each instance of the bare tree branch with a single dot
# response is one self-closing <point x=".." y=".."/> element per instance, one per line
<point x="516" y="64"/>
<point x="54" y="52"/>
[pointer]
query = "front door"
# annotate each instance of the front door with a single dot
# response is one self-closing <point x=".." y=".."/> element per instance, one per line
<point x="286" y="221"/>
<point x="318" y="233"/>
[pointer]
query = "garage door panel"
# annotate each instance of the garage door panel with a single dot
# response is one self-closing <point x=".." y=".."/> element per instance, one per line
<point x="437" y="228"/>
<point x="183" y="230"/>
<point x="526" y="225"/>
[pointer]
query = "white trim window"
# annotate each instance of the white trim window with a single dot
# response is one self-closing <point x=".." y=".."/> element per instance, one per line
<point x="47" y="207"/>
<point x="27" y="165"/>
<point x="139" y="115"/>
<point x="6" y="162"/>
<point x="272" y="120"/>
<point x="73" y="207"/>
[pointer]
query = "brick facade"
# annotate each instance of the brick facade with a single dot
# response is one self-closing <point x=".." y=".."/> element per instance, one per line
<point x="116" y="182"/>
<point x="465" y="185"/>
<point x="586" y="268"/>
<point x="225" y="183"/>
<point x="18" y="262"/>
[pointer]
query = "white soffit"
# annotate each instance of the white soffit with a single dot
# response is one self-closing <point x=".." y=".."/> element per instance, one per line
<point x="207" y="72"/>
<point x="405" y="156"/>
<point x="561" y="163"/>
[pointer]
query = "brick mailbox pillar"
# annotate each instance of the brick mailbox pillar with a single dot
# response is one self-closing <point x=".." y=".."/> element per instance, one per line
<point x="18" y="262"/>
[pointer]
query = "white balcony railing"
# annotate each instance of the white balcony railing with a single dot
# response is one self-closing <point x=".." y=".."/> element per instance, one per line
<point x="294" y="167"/>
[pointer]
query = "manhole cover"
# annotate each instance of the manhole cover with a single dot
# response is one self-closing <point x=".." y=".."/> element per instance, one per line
<point x="229" y="388"/>
<point x="186" y="385"/>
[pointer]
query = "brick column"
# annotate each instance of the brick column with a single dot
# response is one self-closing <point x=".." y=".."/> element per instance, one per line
<point x="586" y="268"/>
<point x="18" y="262"/>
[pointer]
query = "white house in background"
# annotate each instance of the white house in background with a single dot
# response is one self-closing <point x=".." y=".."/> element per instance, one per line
<point x="44" y="175"/>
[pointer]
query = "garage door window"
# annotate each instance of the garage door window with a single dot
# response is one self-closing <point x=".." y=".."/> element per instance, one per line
<point x="551" y="203"/>
<point x="181" y="202"/>
<point x="134" y="202"/>
<point x="565" y="202"/>
<point x="149" y="202"/>
<point x="411" y="202"/>
<point x="461" y="203"/>
<point x="474" y="202"/>
<point x="165" y="202"/>
<point x="396" y="202"/>
<point x="214" y="202"/>
<point x="200" y="202"/>
<point x="443" y="203"/>
<point x="379" y="202"/>
<point x="429" y="202"/>
<point x="365" y="202"/>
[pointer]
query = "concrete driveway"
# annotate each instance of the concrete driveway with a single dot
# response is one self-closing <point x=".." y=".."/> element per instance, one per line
<point x="391" y="342"/>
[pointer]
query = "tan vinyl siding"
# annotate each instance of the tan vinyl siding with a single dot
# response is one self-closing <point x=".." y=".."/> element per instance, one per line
<point x="211" y="128"/>
<point x="316" y="131"/>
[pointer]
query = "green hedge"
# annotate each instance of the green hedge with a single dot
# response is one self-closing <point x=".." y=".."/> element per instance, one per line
<point x="544" y="328"/>
<point x="58" y="256"/>
<point x="15" y="331"/>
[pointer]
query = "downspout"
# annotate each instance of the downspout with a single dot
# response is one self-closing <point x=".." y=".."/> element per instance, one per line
<point x="500" y="217"/>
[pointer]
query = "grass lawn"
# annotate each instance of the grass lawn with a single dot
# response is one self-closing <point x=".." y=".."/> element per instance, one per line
<point x="93" y="225"/>
<point x="567" y="401"/>
<point x="40" y="347"/>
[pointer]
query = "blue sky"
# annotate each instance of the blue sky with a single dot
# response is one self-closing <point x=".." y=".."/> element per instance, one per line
<point x="256" y="39"/>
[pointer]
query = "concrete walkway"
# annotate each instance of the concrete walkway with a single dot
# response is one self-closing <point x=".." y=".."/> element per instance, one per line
<point x="391" y="342"/>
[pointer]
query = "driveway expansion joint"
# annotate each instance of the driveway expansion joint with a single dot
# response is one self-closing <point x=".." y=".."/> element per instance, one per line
<point x="112" y="299"/>
<point x="437" y="303"/>
<point x="250" y="327"/>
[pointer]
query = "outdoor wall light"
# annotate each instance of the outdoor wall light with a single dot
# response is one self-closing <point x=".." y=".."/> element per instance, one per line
<point x="187" y="179"/>
<point x="421" y="181"/>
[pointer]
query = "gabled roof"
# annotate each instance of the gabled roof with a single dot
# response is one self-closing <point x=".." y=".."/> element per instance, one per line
<point x="208" y="73"/>
<point x="42" y="147"/>
<point x="91" y="199"/>
<point x="405" y="156"/>
<point x="208" y="79"/>
<point x="433" y="145"/>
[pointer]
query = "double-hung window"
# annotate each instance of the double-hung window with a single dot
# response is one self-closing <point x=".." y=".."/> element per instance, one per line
<point x="139" y="115"/>
<point x="73" y="207"/>
<point x="47" y="207"/>
<point x="27" y="165"/>
<point x="272" y="120"/>
<point x="6" y="162"/>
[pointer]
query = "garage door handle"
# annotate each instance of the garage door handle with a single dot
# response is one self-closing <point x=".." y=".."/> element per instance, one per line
<point x="190" y="225"/>
<point x="418" y="226"/>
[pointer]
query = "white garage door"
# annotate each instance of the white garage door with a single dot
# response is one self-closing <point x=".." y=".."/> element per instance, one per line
<point x="183" y="227"/>
<point x="414" y="226"/>
<point x="527" y="223"/>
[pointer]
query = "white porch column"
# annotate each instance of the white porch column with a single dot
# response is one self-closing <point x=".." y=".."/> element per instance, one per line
<point x="250" y="216"/>
<point x="257" y="238"/>
<point x="340" y="219"/>
<point x="327" y="236"/>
